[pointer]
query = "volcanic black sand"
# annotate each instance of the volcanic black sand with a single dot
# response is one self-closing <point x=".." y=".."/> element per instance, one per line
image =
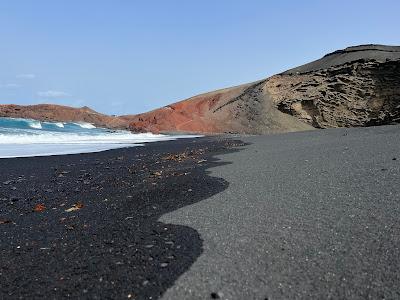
<point x="307" y="215"/>
<point x="87" y="225"/>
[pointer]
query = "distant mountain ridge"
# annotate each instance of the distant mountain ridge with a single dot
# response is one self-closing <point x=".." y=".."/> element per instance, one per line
<point x="60" y="113"/>
<point x="356" y="86"/>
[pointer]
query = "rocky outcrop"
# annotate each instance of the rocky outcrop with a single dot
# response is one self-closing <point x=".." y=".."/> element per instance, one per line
<point x="51" y="112"/>
<point x="360" y="92"/>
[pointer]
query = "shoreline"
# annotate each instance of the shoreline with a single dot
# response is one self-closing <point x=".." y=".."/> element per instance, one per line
<point x="30" y="138"/>
<point x="43" y="149"/>
<point x="79" y="149"/>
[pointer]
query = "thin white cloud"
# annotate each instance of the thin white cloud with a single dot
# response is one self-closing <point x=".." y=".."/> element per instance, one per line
<point x="26" y="76"/>
<point x="53" y="94"/>
<point x="9" y="85"/>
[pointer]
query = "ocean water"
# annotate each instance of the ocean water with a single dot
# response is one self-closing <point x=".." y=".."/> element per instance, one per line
<point x="25" y="137"/>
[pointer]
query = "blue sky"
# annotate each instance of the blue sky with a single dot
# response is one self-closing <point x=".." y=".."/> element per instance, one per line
<point x="127" y="56"/>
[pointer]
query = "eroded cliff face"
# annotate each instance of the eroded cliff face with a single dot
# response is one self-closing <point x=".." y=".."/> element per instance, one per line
<point x="358" y="93"/>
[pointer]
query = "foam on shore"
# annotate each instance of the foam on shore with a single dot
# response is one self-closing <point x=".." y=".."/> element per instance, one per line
<point x="24" y="138"/>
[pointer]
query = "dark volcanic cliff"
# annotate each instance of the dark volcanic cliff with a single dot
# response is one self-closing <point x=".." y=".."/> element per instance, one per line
<point x="358" y="86"/>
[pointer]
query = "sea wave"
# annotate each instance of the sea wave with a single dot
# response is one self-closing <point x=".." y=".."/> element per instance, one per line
<point x="85" y="125"/>
<point x="26" y="137"/>
<point x="35" y="124"/>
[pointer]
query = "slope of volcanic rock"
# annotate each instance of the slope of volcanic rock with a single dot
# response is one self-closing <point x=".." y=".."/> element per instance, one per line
<point x="242" y="109"/>
<point x="379" y="53"/>
<point x="357" y="86"/>
<point x="51" y="112"/>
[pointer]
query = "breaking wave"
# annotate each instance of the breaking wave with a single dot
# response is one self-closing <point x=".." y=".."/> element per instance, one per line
<point x="35" y="124"/>
<point x="25" y="137"/>
<point x="85" y="125"/>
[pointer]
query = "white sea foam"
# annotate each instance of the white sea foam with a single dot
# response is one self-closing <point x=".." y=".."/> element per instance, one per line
<point x="11" y="150"/>
<point x="120" y="137"/>
<point x="85" y="125"/>
<point x="25" y="137"/>
<point x="35" y="124"/>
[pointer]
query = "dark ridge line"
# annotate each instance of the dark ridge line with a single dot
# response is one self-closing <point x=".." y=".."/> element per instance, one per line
<point x="344" y="51"/>
<point x="346" y="64"/>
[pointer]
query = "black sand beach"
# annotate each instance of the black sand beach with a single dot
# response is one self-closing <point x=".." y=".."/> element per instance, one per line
<point x="307" y="215"/>
<point x="86" y="226"/>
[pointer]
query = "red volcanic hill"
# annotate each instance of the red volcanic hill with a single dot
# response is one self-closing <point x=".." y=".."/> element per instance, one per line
<point x="357" y="86"/>
<point x="241" y="109"/>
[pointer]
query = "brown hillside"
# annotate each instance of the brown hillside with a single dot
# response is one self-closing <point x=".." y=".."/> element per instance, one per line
<point x="52" y="112"/>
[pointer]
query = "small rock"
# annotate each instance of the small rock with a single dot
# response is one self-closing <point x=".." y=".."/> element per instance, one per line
<point x="76" y="206"/>
<point x="39" y="207"/>
<point x="14" y="199"/>
<point x="163" y="265"/>
<point x="218" y="295"/>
